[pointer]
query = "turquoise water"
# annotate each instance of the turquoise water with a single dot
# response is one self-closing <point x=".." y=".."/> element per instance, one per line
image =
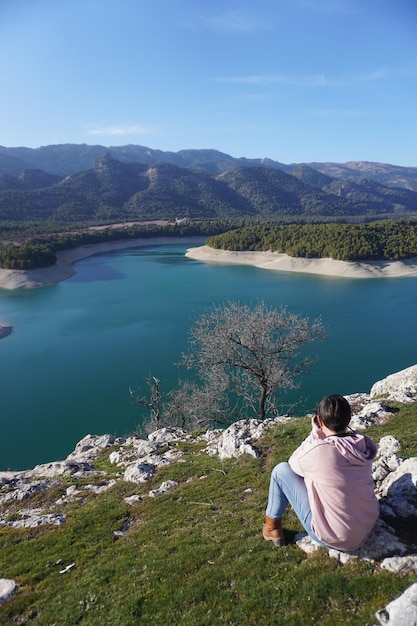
<point x="80" y="344"/>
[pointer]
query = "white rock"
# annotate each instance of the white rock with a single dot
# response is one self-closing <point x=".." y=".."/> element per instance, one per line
<point x="61" y="468"/>
<point x="166" y="486"/>
<point x="24" y="489"/>
<point x="7" y="588"/>
<point x="375" y="409"/>
<point x="386" y="459"/>
<point x="210" y="435"/>
<point x="357" y="400"/>
<point x="91" y="446"/>
<point x="403" y="383"/>
<point x="31" y="518"/>
<point x="139" y="472"/>
<point x="388" y="445"/>
<point x="400" y="486"/>
<point x="115" y="457"/>
<point x="383" y="466"/>
<point x="132" y="499"/>
<point x="135" y="450"/>
<point x="238" y="437"/>
<point x="402" y="611"/>
<point x="358" y="422"/>
<point x="97" y="489"/>
<point x="381" y="543"/>
<point x="400" y="564"/>
<point x="165" y="435"/>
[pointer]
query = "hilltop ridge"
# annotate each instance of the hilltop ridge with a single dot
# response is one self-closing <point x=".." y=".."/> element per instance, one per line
<point x="65" y="186"/>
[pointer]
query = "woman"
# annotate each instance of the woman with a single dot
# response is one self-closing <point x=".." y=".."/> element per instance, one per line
<point x="328" y="482"/>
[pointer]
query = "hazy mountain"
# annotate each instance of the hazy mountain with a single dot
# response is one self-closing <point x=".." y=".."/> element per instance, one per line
<point x="65" y="159"/>
<point x="113" y="191"/>
<point x="389" y="175"/>
<point x="28" y="179"/>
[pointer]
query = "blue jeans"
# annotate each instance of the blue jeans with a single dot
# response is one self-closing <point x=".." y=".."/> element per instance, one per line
<point x="288" y="487"/>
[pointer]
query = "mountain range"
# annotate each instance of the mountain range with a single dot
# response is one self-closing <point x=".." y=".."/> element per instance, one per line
<point x="74" y="183"/>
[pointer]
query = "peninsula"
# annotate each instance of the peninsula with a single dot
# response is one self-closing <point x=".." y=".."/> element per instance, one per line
<point x="327" y="267"/>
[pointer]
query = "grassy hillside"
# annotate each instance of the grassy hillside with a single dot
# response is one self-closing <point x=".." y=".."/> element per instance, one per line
<point x="194" y="556"/>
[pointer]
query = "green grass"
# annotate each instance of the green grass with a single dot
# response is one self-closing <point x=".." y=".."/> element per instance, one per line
<point x="192" y="557"/>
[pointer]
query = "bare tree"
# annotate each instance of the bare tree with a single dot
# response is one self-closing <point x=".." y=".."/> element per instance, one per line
<point x="257" y="350"/>
<point x="150" y="399"/>
<point x="193" y="406"/>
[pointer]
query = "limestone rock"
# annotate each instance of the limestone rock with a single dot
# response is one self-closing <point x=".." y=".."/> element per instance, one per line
<point x="403" y="481"/>
<point x="237" y="439"/>
<point x="399" y="490"/>
<point x="62" y="468"/>
<point x="386" y="460"/>
<point x="91" y="446"/>
<point x="132" y="499"/>
<point x="402" y="611"/>
<point x="401" y="386"/>
<point x="168" y="434"/>
<point x="31" y="518"/>
<point x="133" y="450"/>
<point x="7" y="588"/>
<point x="388" y="446"/>
<point x="22" y="490"/>
<point x="139" y="472"/>
<point x="166" y="487"/>
<point x="382" y="542"/>
<point x="400" y="564"/>
<point x="366" y="413"/>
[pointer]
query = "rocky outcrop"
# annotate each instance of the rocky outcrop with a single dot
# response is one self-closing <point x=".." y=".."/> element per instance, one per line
<point x="402" y="611"/>
<point x="400" y="387"/>
<point x="136" y="460"/>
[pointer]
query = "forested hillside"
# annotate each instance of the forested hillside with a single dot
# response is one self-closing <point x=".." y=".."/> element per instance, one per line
<point x="387" y="240"/>
<point x="113" y="191"/>
<point x="37" y="252"/>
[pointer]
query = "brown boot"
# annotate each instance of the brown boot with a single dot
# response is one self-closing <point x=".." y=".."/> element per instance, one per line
<point x="272" y="531"/>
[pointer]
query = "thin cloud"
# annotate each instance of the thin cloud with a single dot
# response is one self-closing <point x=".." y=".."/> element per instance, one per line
<point x="233" y="20"/>
<point x="315" y="80"/>
<point x="120" y="131"/>
<point x="312" y="80"/>
<point x="340" y="113"/>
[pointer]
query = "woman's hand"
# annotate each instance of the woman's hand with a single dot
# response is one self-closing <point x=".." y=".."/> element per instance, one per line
<point x="315" y="422"/>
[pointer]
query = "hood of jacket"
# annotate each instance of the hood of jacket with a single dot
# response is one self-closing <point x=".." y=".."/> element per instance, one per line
<point x="358" y="448"/>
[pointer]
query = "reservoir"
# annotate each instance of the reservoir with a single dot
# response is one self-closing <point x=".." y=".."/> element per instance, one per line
<point x="80" y="344"/>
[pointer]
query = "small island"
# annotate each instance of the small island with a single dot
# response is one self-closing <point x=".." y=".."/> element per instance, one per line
<point x="5" y="330"/>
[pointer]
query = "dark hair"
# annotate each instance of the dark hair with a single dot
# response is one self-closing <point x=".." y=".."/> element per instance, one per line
<point x="335" y="413"/>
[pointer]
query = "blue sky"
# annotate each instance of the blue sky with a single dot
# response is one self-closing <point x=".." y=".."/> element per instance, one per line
<point x="292" y="80"/>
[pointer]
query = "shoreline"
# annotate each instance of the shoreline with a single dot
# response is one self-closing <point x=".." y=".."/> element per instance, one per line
<point x="63" y="268"/>
<point x="325" y="267"/>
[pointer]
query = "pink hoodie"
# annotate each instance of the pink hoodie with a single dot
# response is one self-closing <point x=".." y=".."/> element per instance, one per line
<point x="337" y="474"/>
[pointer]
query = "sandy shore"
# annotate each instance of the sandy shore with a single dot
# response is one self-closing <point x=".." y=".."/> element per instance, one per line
<point x="327" y="267"/>
<point x="63" y="268"/>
